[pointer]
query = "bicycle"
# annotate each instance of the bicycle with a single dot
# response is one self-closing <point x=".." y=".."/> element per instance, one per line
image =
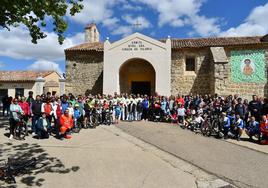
<point x="21" y="129"/>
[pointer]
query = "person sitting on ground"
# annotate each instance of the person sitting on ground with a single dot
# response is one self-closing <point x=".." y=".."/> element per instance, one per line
<point x="196" y="122"/>
<point x="239" y="127"/>
<point x="42" y="127"/>
<point x="253" y="128"/>
<point x="226" y="123"/>
<point x="66" y="124"/>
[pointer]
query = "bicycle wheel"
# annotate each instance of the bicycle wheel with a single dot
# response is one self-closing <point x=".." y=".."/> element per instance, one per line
<point x="204" y="128"/>
<point x="95" y="121"/>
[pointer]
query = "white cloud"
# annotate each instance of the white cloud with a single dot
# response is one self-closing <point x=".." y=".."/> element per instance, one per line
<point x="111" y="22"/>
<point x="16" y="44"/>
<point x="95" y="11"/>
<point x="205" y="26"/>
<point x="125" y="30"/>
<point x="255" y="24"/>
<point x="128" y="6"/>
<point x="44" y="65"/>
<point x="139" y="19"/>
<point x="179" y="13"/>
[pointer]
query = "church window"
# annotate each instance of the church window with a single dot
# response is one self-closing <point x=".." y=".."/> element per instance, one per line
<point x="190" y="64"/>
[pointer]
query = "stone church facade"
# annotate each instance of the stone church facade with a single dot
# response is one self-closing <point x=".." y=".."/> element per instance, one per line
<point x="140" y="64"/>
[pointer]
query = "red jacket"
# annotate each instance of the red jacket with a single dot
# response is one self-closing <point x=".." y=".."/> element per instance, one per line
<point x="58" y="111"/>
<point x="25" y="107"/>
<point x="180" y="100"/>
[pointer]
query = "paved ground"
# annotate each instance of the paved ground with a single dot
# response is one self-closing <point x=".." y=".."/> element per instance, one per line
<point x="239" y="165"/>
<point x="102" y="157"/>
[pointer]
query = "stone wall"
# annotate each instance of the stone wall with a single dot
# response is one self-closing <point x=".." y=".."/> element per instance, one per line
<point x="84" y="71"/>
<point x="225" y="86"/>
<point x="198" y="81"/>
<point x="210" y="77"/>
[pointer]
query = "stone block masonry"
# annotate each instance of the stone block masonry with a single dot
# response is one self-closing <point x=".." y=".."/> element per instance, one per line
<point x="84" y="71"/>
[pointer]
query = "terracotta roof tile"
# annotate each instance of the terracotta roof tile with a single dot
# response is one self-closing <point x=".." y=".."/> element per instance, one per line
<point x="23" y="76"/>
<point x="184" y="43"/>
<point x="213" y="42"/>
<point x="95" y="46"/>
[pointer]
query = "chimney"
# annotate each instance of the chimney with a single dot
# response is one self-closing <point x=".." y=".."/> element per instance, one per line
<point x="92" y="33"/>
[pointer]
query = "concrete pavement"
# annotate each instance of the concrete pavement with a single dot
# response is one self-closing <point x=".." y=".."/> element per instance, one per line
<point x="241" y="166"/>
<point x="102" y="157"/>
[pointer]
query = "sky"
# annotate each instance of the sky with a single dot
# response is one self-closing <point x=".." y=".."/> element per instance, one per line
<point x="115" y="19"/>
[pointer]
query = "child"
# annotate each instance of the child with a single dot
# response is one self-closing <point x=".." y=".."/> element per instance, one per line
<point x="70" y="109"/>
<point x="77" y="115"/>
<point x="117" y="110"/>
<point x="181" y="114"/>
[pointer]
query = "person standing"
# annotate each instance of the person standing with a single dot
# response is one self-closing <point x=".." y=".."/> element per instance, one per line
<point x="145" y="108"/>
<point x="14" y="117"/>
<point x="255" y="108"/>
<point x="36" y="112"/>
<point x="26" y="112"/>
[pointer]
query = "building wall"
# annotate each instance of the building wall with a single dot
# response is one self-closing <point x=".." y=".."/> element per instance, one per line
<point x="84" y="71"/>
<point x="186" y="82"/>
<point x="11" y="86"/>
<point x="224" y="84"/>
<point x="210" y="77"/>
<point x="55" y="78"/>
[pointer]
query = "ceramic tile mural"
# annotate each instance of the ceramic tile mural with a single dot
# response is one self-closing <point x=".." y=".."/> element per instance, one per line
<point x="248" y="66"/>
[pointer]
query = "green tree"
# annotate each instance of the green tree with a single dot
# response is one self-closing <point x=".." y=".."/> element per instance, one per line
<point x="34" y="13"/>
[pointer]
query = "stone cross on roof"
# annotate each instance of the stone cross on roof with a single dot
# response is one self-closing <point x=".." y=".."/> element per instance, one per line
<point x="137" y="25"/>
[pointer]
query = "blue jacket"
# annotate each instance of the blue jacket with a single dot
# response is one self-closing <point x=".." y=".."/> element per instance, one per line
<point x="64" y="106"/>
<point x="227" y="122"/>
<point x="77" y="113"/>
<point x="145" y="104"/>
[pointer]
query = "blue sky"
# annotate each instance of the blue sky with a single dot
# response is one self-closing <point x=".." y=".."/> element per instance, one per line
<point x="115" y="19"/>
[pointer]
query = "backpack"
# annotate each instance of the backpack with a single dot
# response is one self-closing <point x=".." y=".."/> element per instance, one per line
<point x="47" y="109"/>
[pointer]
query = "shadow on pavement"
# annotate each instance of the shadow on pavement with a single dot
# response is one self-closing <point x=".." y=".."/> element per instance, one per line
<point x="45" y="163"/>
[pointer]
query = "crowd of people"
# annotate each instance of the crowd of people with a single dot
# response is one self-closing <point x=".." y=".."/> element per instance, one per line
<point x="49" y="114"/>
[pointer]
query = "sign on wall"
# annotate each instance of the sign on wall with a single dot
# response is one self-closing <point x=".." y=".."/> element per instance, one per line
<point x="248" y="66"/>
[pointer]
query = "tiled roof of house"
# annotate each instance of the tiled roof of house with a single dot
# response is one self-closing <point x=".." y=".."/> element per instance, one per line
<point x="22" y="76"/>
<point x="184" y="43"/>
<point x="213" y="42"/>
<point x="95" y="46"/>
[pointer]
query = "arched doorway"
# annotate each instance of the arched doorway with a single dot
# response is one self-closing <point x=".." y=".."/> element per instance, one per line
<point x="137" y="76"/>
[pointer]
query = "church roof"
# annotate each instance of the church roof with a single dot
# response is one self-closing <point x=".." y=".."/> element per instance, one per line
<point x="22" y="76"/>
<point x="213" y="42"/>
<point x="185" y="43"/>
<point x="95" y="46"/>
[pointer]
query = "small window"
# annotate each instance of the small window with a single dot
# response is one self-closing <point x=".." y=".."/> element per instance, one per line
<point x="19" y="92"/>
<point x="190" y="64"/>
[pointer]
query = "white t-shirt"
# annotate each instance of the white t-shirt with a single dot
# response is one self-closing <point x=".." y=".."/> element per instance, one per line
<point x="181" y="111"/>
